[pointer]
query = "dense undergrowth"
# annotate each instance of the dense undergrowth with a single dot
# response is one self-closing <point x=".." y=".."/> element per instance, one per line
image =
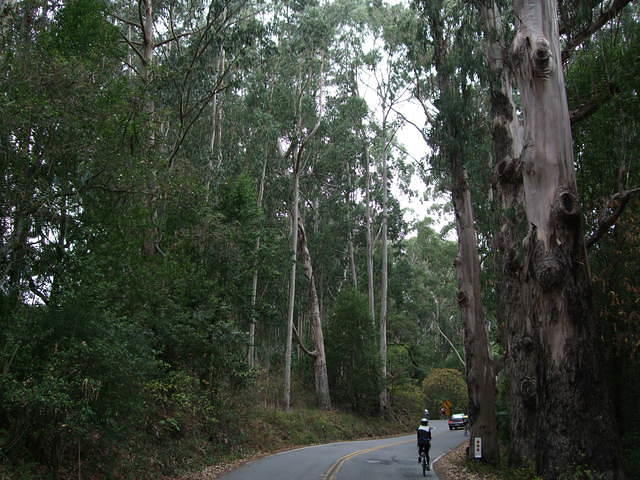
<point x="190" y="447"/>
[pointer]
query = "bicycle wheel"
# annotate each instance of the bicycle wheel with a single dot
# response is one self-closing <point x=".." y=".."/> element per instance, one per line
<point x="424" y="466"/>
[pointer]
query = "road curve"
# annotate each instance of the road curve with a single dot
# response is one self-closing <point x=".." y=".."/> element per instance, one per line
<point x="388" y="458"/>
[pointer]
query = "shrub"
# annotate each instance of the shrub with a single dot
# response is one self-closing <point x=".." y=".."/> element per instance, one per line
<point x="445" y="384"/>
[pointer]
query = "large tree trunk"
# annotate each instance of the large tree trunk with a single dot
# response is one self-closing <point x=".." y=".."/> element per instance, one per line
<point x="567" y="395"/>
<point x="319" y="356"/>
<point x="481" y="378"/>
<point x="506" y="145"/>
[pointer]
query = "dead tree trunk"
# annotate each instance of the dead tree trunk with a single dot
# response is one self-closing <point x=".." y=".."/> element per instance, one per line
<point x="564" y="351"/>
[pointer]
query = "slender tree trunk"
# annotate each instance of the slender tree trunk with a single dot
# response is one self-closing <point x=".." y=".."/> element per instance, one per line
<point x="319" y="356"/>
<point x="369" y="220"/>
<point x="292" y="286"/>
<point x="565" y="348"/>
<point x="251" y="355"/>
<point x="350" y="249"/>
<point x="352" y="261"/>
<point x="384" y="281"/>
<point x="151" y="241"/>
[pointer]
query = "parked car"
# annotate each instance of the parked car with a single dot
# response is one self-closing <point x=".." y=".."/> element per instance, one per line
<point x="458" y="420"/>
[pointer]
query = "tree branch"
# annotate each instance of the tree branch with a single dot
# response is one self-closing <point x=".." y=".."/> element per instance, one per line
<point x="313" y="353"/>
<point x="450" y="343"/>
<point x="616" y="205"/>
<point x="175" y="37"/>
<point x="133" y="47"/>
<point x="605" y="16"/>
<point x="36" y="291"/>
<point x="124" y="20"/>
<point x="587" y="109"/>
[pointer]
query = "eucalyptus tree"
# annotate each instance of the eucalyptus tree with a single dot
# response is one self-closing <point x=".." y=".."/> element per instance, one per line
<point x="388" y="79"/>
<point x="551" y="332"/>
<point x="171" y="47"/>
<point x="564" y="331"/>
<point x="449" y="34"/>
<point x="305" y="33"/>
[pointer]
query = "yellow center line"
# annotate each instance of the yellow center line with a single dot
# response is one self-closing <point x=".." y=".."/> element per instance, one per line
<point x="335" y="468"/>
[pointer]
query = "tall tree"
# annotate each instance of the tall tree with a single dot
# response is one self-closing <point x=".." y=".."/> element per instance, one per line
<point x="565" y="341"/>
<point x="307" y="114"/>
<point x="455" y="100"/>
<point x="506" y="147"/>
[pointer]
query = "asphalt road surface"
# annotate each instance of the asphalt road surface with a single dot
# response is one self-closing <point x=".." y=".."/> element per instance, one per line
<point x="389" y="459"/>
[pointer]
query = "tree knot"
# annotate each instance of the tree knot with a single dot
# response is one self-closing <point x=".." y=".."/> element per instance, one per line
<point x="549" y="269"/>
<point x="541" y="58"/>
<point x="566" y="205"/>
<point x="528" y="387"/>
<point x="462" y="298"/>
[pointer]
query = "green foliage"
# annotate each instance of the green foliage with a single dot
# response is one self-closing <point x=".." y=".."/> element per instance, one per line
<point x="82" y="31"/>
<point x="422" y="289"/>
<point x="352" y="355"/>
<point x="444" y="384"/>
<point x="407" y="400"/>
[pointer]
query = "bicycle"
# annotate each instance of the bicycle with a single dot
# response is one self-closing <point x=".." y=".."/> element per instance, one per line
<point x="424" y="461"/>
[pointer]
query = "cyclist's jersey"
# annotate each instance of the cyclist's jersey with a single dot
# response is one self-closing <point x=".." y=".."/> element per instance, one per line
<point x="424" y="434"/>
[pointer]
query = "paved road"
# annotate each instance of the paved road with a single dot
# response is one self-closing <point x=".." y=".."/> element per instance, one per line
<point x="388" y="459"/>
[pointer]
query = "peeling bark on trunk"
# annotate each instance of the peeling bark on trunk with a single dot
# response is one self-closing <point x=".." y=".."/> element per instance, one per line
<point x="319" y="356"/>
<point x="564" y="351"/>
<point x="506" y="145"/>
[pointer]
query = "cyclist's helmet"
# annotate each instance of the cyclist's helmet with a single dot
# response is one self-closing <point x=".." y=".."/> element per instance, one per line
<point x="424" y="421"/>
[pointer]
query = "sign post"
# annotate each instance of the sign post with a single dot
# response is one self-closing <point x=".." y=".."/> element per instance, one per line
<point x="477" y="447"/>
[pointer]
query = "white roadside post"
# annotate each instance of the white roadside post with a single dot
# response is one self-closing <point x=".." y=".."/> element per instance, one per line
<point x="477" y="448"/>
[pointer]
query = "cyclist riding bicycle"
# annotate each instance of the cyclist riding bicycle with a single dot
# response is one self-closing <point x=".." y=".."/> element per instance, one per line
<point x="424" y="439"/>
<point x="426" y="414"/>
